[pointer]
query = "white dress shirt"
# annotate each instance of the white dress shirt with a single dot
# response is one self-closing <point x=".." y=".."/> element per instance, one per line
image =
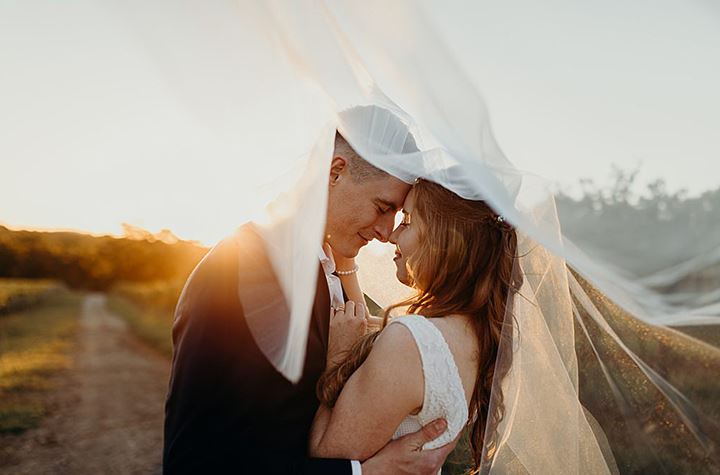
<point x="333" y="281"/>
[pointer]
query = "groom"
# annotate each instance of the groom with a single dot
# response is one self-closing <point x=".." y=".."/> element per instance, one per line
<point x="228" y="409"/>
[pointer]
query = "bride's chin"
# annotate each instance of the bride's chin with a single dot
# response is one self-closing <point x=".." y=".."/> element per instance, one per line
<point x="400" y="275"/>
<point x="402" y="278"/>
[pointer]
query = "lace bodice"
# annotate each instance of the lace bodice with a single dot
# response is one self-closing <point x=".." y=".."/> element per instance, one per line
<point x="444" y="393"/>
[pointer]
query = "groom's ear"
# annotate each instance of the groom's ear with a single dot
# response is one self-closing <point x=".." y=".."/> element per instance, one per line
<point x="338" y="168"/>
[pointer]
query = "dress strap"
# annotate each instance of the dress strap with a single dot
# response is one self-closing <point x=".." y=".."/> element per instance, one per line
<point x="444" y="392"/>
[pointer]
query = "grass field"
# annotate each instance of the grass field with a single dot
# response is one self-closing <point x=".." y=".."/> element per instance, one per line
<point x="151" y="325"/>
<point x="18" y="294"/>
<point x="148" y="310"/>
<point x="35" y="345"/>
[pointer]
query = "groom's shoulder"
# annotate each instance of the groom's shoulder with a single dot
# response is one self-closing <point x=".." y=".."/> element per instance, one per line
<point x="228" y="264"/>
<point x="215" y="272"/>
<point x="217" y="265"/>
<point x="221" y="263"/>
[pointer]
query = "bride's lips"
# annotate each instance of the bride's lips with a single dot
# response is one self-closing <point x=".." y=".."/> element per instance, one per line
<point x="397" y="256"/>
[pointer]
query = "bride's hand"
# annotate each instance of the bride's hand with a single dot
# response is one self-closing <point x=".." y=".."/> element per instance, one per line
<point x="346" y="326"/>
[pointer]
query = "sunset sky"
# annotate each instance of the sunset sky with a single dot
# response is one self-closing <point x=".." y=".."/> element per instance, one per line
<point x="91" y="135"/>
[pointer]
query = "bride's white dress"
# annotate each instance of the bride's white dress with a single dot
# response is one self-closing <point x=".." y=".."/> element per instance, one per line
<point x="444" y="393"/>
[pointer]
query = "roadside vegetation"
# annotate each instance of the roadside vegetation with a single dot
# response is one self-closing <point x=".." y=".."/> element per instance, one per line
<point x="35" y="346"/>
<point x="148" y="310"/>
<point x="19" y="294"/>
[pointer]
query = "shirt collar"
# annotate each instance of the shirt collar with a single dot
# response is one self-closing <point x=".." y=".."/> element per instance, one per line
<point x="334" y="285"/>
<point x="326" y="258"/>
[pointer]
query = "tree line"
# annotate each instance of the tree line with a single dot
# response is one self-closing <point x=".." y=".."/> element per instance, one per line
<point x="641" y="231"/>
<point x="94" y="262"/>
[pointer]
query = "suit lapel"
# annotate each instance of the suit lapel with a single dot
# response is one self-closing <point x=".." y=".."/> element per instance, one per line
<point x="321" y="309"/>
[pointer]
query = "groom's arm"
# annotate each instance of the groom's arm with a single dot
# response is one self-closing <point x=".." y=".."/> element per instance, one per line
<point x="403" y="457"/>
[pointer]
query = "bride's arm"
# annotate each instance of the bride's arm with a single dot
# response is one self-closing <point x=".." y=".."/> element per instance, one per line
<point x="351" y="285"/>
<point x="387" y="387"/>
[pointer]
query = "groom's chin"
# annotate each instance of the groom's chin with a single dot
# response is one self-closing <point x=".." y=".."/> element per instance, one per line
<point x="350" y="253"/>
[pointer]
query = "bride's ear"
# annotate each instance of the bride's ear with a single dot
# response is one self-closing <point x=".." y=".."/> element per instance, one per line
<point x="338" y="168"/>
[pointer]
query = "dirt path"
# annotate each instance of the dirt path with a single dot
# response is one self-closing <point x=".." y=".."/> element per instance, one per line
<point x="107" y="412"/>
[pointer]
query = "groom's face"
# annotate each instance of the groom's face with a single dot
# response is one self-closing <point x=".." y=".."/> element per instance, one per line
<point x="361" y="210"/>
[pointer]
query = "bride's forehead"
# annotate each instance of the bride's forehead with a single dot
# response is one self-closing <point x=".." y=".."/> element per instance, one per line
<point x="409" y="201"/>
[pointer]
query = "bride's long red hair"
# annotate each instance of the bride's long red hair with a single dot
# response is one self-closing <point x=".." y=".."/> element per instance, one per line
<point x="465" y="265"/>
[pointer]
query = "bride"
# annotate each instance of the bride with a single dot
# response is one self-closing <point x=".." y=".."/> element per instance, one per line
<point x="439" y="361"/>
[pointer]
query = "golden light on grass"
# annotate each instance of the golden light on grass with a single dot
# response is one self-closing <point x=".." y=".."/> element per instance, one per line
<point x="35" y="344"/>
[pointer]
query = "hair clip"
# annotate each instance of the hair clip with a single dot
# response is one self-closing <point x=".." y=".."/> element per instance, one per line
<point x="501" y="223"/>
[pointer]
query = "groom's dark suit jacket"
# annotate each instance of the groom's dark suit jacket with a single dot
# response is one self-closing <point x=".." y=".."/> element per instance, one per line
<point x="228" y="410"/>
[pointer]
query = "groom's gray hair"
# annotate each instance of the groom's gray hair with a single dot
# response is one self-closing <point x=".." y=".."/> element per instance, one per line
<point x="360" y="169"/>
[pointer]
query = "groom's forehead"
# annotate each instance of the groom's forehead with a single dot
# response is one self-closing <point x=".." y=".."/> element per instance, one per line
<point x="392" y="194"/>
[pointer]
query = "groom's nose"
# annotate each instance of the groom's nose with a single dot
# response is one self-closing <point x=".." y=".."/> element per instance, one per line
<point x="383" y="227"/>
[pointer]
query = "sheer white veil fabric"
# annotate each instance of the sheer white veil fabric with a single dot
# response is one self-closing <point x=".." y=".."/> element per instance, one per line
<point x="546" y="428"/>
<point x="590" y="379"/>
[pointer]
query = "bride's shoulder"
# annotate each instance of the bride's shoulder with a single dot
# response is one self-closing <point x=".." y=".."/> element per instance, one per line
<point x="397" y="334"/>
<point x="396" y="349"/>
<point x="395" y="359"/>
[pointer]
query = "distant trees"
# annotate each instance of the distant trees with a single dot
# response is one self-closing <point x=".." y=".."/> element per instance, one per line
<point x="90" y="262"/>
<point x="641" y="232"/>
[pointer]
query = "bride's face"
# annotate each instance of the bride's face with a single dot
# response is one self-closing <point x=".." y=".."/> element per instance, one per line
<point x="406" y="238"/>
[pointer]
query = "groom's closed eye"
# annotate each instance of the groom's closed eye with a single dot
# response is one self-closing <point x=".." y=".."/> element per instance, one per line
<point x="384" y="206"/>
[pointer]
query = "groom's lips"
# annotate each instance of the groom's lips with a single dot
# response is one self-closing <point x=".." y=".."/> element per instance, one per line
<point x="361" y="237"/>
